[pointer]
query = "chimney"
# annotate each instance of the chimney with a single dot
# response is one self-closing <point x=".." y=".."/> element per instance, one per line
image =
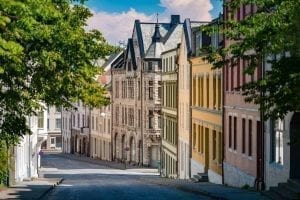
<point x="175" y="19"/>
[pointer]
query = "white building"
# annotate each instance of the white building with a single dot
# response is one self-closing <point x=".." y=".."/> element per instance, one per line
<point x="26" y="153"/>
<point x="54" y="124"/>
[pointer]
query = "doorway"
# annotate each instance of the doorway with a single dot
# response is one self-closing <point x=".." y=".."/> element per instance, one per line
<point x="295" y="146"/>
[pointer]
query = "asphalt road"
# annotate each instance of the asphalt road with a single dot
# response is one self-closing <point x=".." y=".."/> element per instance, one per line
<point x="83" y="180"/>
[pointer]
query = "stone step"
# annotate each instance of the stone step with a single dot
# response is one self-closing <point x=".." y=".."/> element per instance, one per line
<point x="294" y="182"/>
<point x="201" y="177"/>
<point x="272" y="195"/>
<point x="283" y="193"/>
<point x="290" y="188"/>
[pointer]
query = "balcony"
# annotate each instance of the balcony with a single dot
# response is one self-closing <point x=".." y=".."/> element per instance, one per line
<point x="84" y="130"/>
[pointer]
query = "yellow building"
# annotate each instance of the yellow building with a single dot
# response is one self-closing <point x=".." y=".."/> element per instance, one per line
<point x="206" y="120"/>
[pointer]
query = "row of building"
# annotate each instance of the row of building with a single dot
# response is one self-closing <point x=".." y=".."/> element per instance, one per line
<point x="171" y="109"/>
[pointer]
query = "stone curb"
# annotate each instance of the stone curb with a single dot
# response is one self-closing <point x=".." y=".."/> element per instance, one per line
<point x="50" y="188"/>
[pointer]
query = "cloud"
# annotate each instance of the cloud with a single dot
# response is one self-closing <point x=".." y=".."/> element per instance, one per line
<point x="193" y="9"/>
<point x="118" y="26"/>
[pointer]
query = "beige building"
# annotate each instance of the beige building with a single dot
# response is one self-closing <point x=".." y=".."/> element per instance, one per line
<point x="100" y="125"/>
<point x="169" y="114"/>
<point x="136" y="83"/>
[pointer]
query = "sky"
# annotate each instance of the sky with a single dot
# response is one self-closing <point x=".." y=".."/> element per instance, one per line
<point x="115" y="18"/>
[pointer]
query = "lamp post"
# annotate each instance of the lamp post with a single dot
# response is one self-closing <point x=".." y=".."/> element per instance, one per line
<point x="126" y="149"/>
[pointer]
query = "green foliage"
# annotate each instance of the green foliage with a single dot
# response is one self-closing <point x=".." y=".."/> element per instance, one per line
<point x="3" y="163"/>
<point x="273" y="30"/>
<point x="47" y="56"/>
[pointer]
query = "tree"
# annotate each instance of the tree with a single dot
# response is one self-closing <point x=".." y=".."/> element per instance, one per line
<point x="273" y="31"/>
<point x="46" y="55"/>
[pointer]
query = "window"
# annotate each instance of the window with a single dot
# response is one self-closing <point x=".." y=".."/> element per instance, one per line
<point x="194" y="91"/>
<point x="229" y="132"/>
<point x="129" y="65"/>
<point x="207" y="91"/>
<point x="214" y="92"/>
<point x="243" y="135"/>
<point x="159" y="90"/>
<point x="194" y="136"/>
<point x="150" y="66"/>
<point x="277" y="130"/>
<point x="150" y="90"/>
<point x="47" y="124"/>
<point x="250" y="138"/>
<point x="78" y="120"/>
<point x="58" y="123"/>
<point x="139" y="89"/>
<point x="131" y="117"/>
<point x="58" y="109"/>
<point x="214" y="144"/>
<point x="83" y="121"/>
<point x="159" y="121"/>
<point x="41" y="119"/>
<point x="150" y="119"/>
<point x="234" y="133"/>
<point x="117" y="89"/>
<point x="93" y="123"/>
<point x="139" y="118"/>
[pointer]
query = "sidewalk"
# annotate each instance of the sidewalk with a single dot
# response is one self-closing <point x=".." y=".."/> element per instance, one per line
<point x="212" y="190"/>
<point x="34" y="189"/>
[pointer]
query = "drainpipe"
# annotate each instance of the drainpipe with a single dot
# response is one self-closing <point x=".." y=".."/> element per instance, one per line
<point x="190" y="124"/>
<point x="223" y="101"/>
<point x="142" y="113"/>
<point x="111" y="116"/>
<point x="177" y="99"/>
<point x="259" y="182"/>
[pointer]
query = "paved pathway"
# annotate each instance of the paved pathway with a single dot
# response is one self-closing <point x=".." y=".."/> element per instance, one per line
<point x="85" y="180"/>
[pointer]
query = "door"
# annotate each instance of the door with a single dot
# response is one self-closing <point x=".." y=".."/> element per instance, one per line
<point x="295" y="146"/>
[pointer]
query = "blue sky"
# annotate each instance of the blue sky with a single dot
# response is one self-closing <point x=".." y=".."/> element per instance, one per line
<point x="145" y="6"/>
<point x="115" y="18"/>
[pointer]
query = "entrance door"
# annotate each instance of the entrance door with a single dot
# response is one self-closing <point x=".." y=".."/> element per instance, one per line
<point x="295" y="146"/>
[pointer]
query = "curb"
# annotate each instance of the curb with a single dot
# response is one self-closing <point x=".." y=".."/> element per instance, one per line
<point x="50" y="188"/>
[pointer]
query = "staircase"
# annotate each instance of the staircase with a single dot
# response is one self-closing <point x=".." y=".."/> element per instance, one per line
<point x="200" y="177"/>
<point x="289" y="190"/>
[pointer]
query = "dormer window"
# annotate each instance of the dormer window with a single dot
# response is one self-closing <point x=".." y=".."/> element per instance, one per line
<point x="129" y="65"/>
<point x="149" y="66"/>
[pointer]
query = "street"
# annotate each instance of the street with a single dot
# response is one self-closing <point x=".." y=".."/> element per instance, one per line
<point x="83" y="180"/>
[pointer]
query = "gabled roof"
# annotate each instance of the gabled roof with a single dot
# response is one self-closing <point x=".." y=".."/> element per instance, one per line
<point x="118" y="63"/>
<point x="130" y="50"/>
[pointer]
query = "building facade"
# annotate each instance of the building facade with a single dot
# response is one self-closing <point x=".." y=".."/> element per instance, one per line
<point x="136" y="84"/>
<point x="101" y="137"/>
<point x="54" y="128"/>
<point x="242" y="121"/>
<point x="169" y="147"/>
<point x="207" y="143"/>
<point x="26" y="153"/>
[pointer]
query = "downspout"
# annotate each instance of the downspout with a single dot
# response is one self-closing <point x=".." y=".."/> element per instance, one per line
<point x="177" y="99"/>
<point x="223" y="99"/>
<point x="142" y="114"/>
<point x="223" y="123"/>
<point x="190" y="124"/>
<point x="260" y="184"/>
<point x="112" y="117"/>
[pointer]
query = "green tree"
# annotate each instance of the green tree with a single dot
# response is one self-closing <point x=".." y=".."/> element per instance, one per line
<point x="272" y="31"/>
<point x="46" y="55"/>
